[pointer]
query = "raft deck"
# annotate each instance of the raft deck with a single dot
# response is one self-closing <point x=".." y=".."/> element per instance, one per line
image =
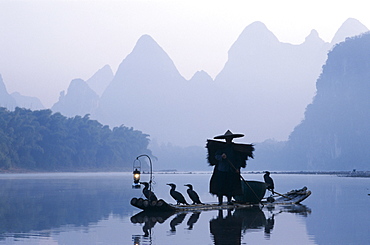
<point x="292" y="197"/>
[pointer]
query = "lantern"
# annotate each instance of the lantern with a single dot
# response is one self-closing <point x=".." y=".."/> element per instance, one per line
<point x="136" y="172"/>
<point x="136" y="176"/>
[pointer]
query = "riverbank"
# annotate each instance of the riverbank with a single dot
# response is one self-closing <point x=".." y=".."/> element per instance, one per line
<point x="338" y="173"/>
<point x="352" y="173"/>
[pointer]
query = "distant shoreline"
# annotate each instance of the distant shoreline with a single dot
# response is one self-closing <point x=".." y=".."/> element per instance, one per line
<point x="174" y="171"/>
<point x="338" y="173"/>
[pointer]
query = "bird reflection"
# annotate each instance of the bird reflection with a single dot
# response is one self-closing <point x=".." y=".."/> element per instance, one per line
<point x="150" y="219"/>
<point x="192" y="220"/>
<point x="176" y="221"/>
<point x="269" y="226"/>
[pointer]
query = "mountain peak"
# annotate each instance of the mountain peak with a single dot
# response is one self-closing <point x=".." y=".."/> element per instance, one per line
<point x="79" y="100"/>
<point x="146" y="43"/>
<point x="258" y="31"/>
<point x="101" y="79"/>
<point x="351" y="27"/>
<point x="6" y="100"/>
<point x="201" y="76"/>
<point x="313" y="37"/>
<point x="145" y="38"/>
<point x="146" y="58"/>
<point x="254" y="36"/>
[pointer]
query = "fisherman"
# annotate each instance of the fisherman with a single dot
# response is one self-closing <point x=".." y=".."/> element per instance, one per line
<point x="227" y="158"/>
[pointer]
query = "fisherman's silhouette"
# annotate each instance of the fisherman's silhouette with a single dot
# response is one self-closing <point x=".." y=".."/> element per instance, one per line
<point x="226" y="231"/>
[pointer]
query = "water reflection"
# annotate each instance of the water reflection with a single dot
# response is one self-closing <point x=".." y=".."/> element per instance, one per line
<point x="227" y="227"/>
<point x="192" y="220"/>
<point x="95" y="210"/>
<point x="269" y="226"/>
<point x="32" y="207"/>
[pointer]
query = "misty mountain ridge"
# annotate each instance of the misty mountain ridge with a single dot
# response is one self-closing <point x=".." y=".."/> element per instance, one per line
<point x="11" y="101"/>
<point x="287" y="70"/>
<point x="334" y="134"/>
<point x="79" y="100"/>
<point x="101" y="79"/>
<point x="83" y="97"/>
<point x="201" y="76"/>
<point x="29" y="102"/>
<point x="351" y="27"/>
<point x="6" y="100"/>
<point x="147" y="56"/>
<point x="148" y="92"/>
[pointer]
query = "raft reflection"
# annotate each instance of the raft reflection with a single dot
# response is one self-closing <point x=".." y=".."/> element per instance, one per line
<point x="228" y="227"/>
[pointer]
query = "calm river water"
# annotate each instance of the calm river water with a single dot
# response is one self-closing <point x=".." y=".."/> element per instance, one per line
<point x="94" y="208"/>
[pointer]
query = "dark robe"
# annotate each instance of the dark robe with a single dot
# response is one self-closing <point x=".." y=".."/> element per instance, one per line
<point x="225" y="179"/>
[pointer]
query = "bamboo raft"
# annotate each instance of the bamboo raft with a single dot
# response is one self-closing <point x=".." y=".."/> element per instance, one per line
<point x="292" y="197"/>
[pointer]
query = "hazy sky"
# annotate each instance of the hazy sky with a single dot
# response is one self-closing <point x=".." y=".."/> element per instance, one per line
<point x="46" y="44"/>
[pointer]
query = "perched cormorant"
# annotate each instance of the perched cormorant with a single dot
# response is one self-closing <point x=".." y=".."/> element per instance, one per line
<point x="177" y="195"/>
<point x="269" y="182"/>
<point x="193" y="195"/>
<point x="148" y="193"/>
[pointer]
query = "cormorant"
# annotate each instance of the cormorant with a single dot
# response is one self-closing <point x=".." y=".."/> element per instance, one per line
<point x="269" y="182"/>
<point x="148" y="193"/>
<point x="177" y="195"/>
<point x="193" y="195"/>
